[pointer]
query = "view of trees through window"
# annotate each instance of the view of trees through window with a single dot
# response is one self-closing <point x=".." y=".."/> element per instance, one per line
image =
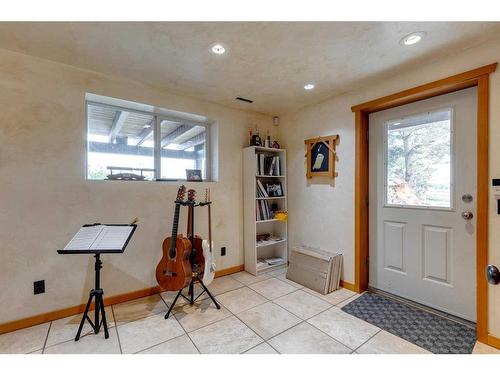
<point x="419" y="160"/>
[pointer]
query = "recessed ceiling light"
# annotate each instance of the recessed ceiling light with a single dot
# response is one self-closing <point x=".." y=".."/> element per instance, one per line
<point x="412" y="38"/>
<point x="309" y="86"/>
<point x="397" y="123"/>
<point x="218" y="49"/>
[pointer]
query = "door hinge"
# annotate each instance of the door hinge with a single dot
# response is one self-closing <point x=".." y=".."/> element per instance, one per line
<point x="367" y="200"/>
<point x="367" y="260"/>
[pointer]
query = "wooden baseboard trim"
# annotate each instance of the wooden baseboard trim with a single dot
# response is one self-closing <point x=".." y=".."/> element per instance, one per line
<point x="493" y="341"/>
<point x="349" y="286"/>
<point x="111" y="300"/>
<point x="230" y="270"/>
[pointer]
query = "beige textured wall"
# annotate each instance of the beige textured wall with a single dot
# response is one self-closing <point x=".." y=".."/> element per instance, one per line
<point x="45" y="197"/>
<point x="330" y="221"/>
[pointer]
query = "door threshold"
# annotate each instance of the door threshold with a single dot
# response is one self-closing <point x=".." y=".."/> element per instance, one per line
<point x="420" y="306"/>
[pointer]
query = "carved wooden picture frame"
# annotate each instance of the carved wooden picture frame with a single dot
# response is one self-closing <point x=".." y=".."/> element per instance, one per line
<point x="321" y="156"/>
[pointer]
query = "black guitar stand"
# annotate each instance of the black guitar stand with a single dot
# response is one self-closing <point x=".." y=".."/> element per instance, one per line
<point x="195" y="275"/>
<point x="96" y="293"/>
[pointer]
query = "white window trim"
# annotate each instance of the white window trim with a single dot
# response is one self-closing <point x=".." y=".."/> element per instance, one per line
<point x="452" y="162"/>
<point x="159" y="114"/>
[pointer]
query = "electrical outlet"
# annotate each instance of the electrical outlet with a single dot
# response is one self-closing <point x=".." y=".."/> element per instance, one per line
<point x="223" y="251"/>
<point x="39" y="287"/>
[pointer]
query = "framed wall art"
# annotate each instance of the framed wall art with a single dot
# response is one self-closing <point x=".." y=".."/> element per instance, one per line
<point x="321" y="156"/>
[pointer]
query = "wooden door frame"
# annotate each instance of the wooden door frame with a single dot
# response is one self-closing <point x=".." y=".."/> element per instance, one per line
<point x="477" y="77"/>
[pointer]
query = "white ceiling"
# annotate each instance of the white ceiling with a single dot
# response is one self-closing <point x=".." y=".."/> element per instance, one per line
<point x="268" y="62"/>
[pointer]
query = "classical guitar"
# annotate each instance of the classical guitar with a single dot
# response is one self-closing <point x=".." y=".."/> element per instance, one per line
<point x="196" y="258"/>
<point x="174" y="270"/>
<point x="209" y="272"/>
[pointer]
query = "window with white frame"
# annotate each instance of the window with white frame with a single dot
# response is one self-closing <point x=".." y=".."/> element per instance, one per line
<point x="127" y="143"/>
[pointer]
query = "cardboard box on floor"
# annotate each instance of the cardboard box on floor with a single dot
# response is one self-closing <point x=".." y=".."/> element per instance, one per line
<point x="315" y="269"/>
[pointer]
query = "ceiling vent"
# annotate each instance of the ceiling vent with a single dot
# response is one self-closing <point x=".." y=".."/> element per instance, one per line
<point x="244" y="99"/>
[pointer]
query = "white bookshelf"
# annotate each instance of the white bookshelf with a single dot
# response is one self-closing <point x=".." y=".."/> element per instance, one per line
<point x="252" y="227"/>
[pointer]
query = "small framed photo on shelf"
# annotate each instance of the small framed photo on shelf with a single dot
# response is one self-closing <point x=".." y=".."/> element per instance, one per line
<point x="274" y="189"/>
<point x="193" y="175"/>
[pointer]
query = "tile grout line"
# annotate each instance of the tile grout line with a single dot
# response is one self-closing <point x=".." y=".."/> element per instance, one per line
<point x="371" y="337"/>
<point x="116" y="329"/>
<point x="189" y="337"/>
<point x="162" y="312"/>
<point x="173" y="338"/>
<point x="301" y="320"/>
<point x="353" y="350"/>
<point x="250" y="328"/>
<point x="46" y="337"/>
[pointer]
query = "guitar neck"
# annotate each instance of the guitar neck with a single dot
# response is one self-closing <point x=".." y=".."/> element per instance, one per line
<point x="175" y="224"/>
<point x="209" y="228"/>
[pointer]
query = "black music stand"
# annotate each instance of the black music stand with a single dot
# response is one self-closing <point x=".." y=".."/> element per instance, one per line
<point x="195" y="275"/>
<point x="97" y="292"/>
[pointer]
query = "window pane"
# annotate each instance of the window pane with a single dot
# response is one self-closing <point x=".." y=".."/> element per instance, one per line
<point x="183" y="146"/>
<point x="120" y="144"/>
<point x="419" y="160"/>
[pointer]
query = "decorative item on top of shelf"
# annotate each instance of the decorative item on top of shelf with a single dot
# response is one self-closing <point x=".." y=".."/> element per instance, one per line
<point x="267" y="141"/>
<point x="256" y="140"/>
<point x="281" y="215"/>
<point x="274" y="189"/>
<point x="193" y="175"/>
<point x="321" y="156"/>
<point x="276" y="144"/>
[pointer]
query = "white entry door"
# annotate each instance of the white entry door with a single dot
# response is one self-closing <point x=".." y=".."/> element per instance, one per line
<point x="422" y="202"/>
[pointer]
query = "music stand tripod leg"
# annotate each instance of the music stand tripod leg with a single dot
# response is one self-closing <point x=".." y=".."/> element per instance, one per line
<point x="84" y="316"/>
<point x="104" y="321"/>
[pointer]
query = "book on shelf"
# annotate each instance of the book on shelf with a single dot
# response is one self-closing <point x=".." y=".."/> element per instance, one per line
<point x="268" y="165"/>
<point x="261" y="191"/>
<point x="262" y="211"/>
<point x="270" y="240"/>
<point x="268" y="262"/>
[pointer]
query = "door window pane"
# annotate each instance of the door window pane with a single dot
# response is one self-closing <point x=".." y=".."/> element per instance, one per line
<point x="418" y="160"/>
<point x="183" y="146"/>
<point x="120" y="144"/>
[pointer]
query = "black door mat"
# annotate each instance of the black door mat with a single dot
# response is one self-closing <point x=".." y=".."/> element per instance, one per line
<point x="429" y="331"/>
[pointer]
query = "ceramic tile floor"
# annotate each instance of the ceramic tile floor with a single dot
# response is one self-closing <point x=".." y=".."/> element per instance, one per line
<point x="259" y="315"/>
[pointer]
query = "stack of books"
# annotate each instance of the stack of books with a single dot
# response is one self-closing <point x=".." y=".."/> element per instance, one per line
<point x="262" y="211"/>
<point x="268" y="165"/>
<point x="316" y="269"/>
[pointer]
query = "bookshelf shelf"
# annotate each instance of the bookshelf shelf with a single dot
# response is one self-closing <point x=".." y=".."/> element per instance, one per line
<point x="270" y="198"/>
<point x="270" y="243"/>
<point x="269" y="267"/>
<point x="257" y="207"/>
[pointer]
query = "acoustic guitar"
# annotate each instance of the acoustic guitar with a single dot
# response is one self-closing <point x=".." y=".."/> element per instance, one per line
<point x="209" y="272"/>
<point x="196" y="258"/>
<point x="174" y="270"/>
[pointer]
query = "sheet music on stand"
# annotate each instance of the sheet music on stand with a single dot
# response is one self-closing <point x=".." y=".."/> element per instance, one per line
<point x="100" y="238"/>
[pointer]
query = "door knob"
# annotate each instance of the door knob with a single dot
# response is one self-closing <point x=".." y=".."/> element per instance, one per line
<point x="493" y="275"/>
<point x="467" y="215"/>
